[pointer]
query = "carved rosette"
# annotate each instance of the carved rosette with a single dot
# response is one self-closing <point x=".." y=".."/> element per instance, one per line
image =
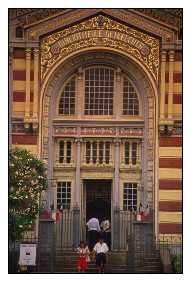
<point x="100" y="31"/>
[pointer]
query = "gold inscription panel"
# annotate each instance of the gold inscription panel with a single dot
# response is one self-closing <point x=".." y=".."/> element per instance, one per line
<point x="100" y="31"/>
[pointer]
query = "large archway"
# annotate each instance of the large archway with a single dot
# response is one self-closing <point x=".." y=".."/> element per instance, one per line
<point x="148" y="92"/>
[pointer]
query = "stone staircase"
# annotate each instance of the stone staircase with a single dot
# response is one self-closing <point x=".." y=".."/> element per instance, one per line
<point x="65" y="261"/>
<point x="148" y="262"/>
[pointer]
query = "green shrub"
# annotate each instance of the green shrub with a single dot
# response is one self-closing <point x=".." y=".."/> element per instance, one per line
<point x="27" y="179"/>
<point x="176" y="261"/>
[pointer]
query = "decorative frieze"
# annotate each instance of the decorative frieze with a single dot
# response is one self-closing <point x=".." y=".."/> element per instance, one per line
<point x="99" y="131"/>
<point x="109" y="33"/>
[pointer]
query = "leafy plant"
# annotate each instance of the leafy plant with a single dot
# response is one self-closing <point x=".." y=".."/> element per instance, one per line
<point x="176" y="261"/>
<point x="27" y="179"/>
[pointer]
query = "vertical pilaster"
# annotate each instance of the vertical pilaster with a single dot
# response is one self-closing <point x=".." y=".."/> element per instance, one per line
<point x="91" y="152"/>
<point x="130" y="153"/>
<point x="57" y="150"/>
<point x="27" y="90"/>
<point x="36" y="83"/>
<point x="123" y="152"/>
<point x="104" y="153"/>
<point x="97" y="157"/>
<point x="162" y="96"/>
<point x="170" y="88"/>
<point x="65" y="151"/>
<point x="117" y="164"/>
<point x="78" y="162"/>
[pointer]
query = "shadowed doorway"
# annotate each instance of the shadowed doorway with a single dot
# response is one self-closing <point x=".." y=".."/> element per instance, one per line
<point x="98" y="199"/>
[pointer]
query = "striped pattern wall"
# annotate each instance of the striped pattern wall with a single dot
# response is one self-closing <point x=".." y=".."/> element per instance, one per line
<point x="177" y="89"/>
<point x="170" y="151"/>
<point x="25" y="141"/>
<point x="19" y="77"/>
<point x="170" y="185"/>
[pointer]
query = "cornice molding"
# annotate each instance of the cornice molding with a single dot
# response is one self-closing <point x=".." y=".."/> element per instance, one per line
<point x="126" y="16"/>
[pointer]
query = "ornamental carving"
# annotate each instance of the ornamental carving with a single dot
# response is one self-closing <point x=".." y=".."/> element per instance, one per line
<point x="100" y="31"/>
<point x="99" y="131"/>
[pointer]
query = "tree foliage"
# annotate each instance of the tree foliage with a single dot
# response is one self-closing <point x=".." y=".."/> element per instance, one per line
<point x="27" y="179"/>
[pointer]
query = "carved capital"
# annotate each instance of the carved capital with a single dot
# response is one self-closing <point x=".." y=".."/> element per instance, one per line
<point x="166" y="127"/>
<point x="36" y="52"/>
<point x="163" y="56"/>
<point x="28" y="53"/>
<point x="162" y="129"/>
<point x="171" y="54"/>
<point x="35" y="125"/>
<point x="117" y="141"/>
<point x="78" y="141"/>
<point x="30" y="124"/>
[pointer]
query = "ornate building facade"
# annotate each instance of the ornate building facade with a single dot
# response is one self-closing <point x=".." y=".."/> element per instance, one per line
<point x="97" y="95"/>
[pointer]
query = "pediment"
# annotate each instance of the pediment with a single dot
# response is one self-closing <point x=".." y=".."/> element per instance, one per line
<point x="99" y="32"/>
<point x="67" y="17"/>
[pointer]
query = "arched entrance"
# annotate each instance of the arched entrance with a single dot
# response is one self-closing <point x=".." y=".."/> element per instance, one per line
<point x="148" y="104"/>
<point x="52" y="123"/>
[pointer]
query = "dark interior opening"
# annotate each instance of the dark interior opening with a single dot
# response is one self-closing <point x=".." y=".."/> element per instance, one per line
<point x="98" y="199"/>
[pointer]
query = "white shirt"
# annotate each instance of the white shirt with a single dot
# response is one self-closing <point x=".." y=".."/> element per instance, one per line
<point x="101" y="248"/>
<point x="83" y="251"/>
<point x="105" y="225"/>
<point x="93" y="224"/>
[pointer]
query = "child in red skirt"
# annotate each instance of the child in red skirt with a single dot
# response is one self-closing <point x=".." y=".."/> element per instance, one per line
<point x="83" y="251"/>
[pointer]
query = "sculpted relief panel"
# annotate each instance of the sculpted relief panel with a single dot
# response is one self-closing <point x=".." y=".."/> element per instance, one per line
<point x="100" y="31"/>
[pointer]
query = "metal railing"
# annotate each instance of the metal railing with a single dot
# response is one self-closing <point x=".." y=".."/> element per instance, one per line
<point x="170" y="248"/>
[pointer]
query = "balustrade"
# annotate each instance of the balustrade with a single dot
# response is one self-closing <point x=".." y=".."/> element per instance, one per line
<point x="99" y="153"/>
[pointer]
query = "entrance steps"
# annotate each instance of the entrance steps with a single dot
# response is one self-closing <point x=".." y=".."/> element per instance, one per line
<point x="65" y="261"/>
<point x="148" y="262"/>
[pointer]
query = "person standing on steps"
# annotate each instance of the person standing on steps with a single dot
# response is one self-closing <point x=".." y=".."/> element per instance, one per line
<point x="93" y="231"/>
<point x="100" y="249"/>
<point x="83" y="251"/>
<point x="106" y="231"/>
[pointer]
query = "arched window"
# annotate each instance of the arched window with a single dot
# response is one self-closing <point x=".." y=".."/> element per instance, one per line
<point x="67" y="98"/>
<point x="130" y="99"/>
<point x="99" y="87"/>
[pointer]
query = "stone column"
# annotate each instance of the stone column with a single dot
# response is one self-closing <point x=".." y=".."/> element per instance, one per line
<point x="65" y="152"/>
<point x="116" y="208"/>
<point x="117" y="164"/>
<point x="170" y="87"/>
<point x="97" y="156"/>
<point x="36" y="83"/>
<point x="78" y="163"/>
<point x="76" y="207"/>
<point x="162" y="94"/>
<point x="130" y="153"/>
<point x="104" y="153"/>
<point x="28" y="80"/>
<point x="91" y="152"/>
